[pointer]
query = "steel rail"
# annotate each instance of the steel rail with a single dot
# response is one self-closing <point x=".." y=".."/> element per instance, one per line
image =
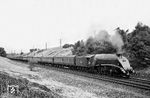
<point x="132" y="82"/>
<point x="145" y="81"/>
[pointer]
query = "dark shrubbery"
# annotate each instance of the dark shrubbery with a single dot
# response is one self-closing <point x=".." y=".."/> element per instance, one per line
<point x="93" y="47"/>
<point x="79" y="48"/>
<point x="26" y="89"/>
<point x="2" y="52"/>
<point x="138" y="46"/>
<point x="67" y="45"/>
<point x="35" y="49"/>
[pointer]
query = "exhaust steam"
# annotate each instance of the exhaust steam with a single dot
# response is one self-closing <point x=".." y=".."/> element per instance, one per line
<point x="103" y="35"/>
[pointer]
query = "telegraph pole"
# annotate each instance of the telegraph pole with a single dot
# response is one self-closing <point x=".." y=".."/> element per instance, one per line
<point x="60" y="42"/>
<point x="46" y="45"/>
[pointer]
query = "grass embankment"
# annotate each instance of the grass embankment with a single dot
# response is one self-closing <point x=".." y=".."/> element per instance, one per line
<point x="142" y="75"/>
<point x="26" y="89"/>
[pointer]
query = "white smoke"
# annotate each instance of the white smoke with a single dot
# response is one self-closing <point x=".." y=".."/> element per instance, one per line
<point x="103" y="35"/>
<point x="117" y="41"/>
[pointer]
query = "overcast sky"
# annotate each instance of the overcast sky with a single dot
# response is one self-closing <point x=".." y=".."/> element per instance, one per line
<point x="26" y="24"/>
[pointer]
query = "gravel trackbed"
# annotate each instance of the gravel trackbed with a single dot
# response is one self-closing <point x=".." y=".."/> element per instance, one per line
<point x="55" y="84"/>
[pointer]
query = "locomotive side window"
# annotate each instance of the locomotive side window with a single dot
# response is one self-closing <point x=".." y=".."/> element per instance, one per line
<point x="123" y="60"/>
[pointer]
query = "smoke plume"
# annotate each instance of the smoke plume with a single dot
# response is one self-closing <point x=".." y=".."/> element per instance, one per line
<point x="103" y="35"/>
<point x="117" y="41"/>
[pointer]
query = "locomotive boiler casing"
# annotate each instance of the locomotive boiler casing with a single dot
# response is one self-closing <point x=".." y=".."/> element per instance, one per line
<point x="113" y="63"/>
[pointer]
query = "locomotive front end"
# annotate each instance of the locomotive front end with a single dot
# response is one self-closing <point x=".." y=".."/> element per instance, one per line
<point x="125" y="64"/>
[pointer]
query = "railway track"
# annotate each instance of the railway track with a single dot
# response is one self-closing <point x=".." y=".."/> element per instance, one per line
<point x="132" y="82"/>
<point x="144" y="81"/>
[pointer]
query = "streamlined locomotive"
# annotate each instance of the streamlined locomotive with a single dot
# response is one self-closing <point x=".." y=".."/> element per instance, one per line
<point x="108" y="64"/>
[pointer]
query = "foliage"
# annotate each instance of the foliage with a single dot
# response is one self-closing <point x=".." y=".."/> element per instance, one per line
<point x="79" y="48"/>
<point x="139" y="45"/>
<point x="35" y="49"/>
<point x="21" y="53"/>
<point x="98" y="47"/>
<point x="93" y="47"/>
<point x="2" y="52"/>
<point x="67" y="45"/>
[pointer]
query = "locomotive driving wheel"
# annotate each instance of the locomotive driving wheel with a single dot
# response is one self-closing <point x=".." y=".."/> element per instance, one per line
<point x="110" y="72"/>
<point x="99" y="69"/>
<point x="102" y="70"/>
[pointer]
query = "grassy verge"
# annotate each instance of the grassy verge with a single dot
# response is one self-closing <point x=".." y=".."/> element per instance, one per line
<point x="25" y="88"/>
<point x="141" y="75"/>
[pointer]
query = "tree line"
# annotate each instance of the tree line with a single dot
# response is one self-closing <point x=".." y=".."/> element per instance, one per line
<point x="136" y="46"/>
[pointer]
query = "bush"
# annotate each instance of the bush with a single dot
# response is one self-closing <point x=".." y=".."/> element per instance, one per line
<point x="26" y="89"/>
<point x="138" y="46"/>
<point x="2" y="52"/>
<point x="67" y="45"/>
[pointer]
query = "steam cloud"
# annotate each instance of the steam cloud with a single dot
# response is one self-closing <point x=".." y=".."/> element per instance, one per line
<point x="103" y="35"/>
<point x="117" y="41"/>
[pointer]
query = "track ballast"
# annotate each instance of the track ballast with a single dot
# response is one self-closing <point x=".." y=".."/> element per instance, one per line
<point x="132" y="82"/>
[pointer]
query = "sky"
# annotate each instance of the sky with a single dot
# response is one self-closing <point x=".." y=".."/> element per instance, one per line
<point x="26" y="24"/>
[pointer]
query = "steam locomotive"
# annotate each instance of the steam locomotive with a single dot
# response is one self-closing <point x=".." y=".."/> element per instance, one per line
<point x="108" y="64"/>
